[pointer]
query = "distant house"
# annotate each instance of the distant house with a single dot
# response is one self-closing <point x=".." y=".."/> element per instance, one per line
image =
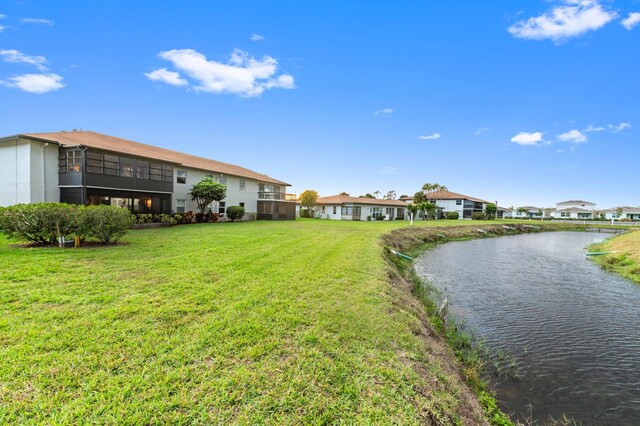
<point x="623" y="212"/>
<point x="526" y="212"/>
<point x="574" y="209"/>
<point x="448" y="201"/>
<point x="344" y="207"/>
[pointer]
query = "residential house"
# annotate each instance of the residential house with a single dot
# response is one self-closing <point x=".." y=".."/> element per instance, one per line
<point x="623" y="212"/>
<point x="526" y="212"/>
<point x="448" y="201"/>
<point x="83" y="167"/>
<point x="344" y="207"/>
<point x="574" y="209"/>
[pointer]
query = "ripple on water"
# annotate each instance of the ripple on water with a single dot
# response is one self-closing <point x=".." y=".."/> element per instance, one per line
<point x="572" y="327"/>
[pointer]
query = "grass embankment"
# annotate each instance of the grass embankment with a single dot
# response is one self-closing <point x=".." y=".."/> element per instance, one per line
<point x="259" y="322"/>
<point x="473" y="357"/>
<point x="626" y="260"/>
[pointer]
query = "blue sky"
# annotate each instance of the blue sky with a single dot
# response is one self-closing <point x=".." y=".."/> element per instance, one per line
<point x="524" y="102"/>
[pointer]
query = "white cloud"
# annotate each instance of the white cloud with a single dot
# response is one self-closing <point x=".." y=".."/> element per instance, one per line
<point x="591" y="128"/>
<point x="242" y="75"/>
<point x="2" y="16"/>
<point x="482" y="130"/>
<point x="528" y="139"/>
<point x="573" y="136"/>
<point x="573" y="18"/>
<point x="256" y="37"/>
<point x="17" y="57"/>
<point x="165" y="76"/>
<point x="35" y="83"/>
<point x="384" y="111"/>
<point x="430" y="137"/>
<point x="631" y="21"/>
<point x="620" y="127"/>
<point x="37" y="21"/>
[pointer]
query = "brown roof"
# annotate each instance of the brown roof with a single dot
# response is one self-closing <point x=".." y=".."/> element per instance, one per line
<point x="448" y="195"/>
<point x="576" y="202"/>
<point x="345" y="199"/>
<point x="575" y="209"/>
<point x="124" y="146"/>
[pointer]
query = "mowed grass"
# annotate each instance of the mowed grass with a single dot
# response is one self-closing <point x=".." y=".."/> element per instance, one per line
<point x="258" y="322"/>
<point x="626" y="260"/>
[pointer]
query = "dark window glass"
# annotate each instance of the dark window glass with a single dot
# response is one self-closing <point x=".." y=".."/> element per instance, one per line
<point x="94" y="155"/>
<point x="181" y="176"/>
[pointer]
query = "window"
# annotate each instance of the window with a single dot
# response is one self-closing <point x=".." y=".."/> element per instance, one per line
<point x="565" y="214"/>
<point x="350" y="211"/>
<point x="221" y="207"/>
<point x="243" y="184"/>
<point x="376" y="212"/>
<point x="70" y="161"/>
<point x="241" y="204"/>
<point x="111" y="165"/>
<point x="276" y="208"/>
<point x="181" y="205"/>
<point x="390" y="212"/>
<point x="181" y="176"/>
<point x="155" y="171"/>
<point x="94" y="163"/>
<point x="126" y="167"/>
<point x="458" y="202"/>
<point x="334" y="209"/>
<point x="222" y="180"/>
<point x="167" y="173"/>
<point x="142" y="170"/>
<point x="323" y="209"/>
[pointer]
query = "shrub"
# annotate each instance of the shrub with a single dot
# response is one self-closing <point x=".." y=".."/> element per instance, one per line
<point x="478" y="216"/>
<point x="306" y="213"/>
<point x="235" y="213"/>
<point x="188" y="217"/>
<point x="200" y="217"/>
<point x="167" y="220"/>
<point x="39" y="223"/>
<point x="144" y="218"/>
<point x="178" y="217"/>
<point x="105" y="223"/>
<point x="379" y="217"/>
<point x="453" y="215"/>
<point x="212" y="217"/>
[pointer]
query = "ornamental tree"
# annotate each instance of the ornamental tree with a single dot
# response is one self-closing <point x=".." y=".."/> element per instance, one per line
<point x="206" y="192"/>
<point x="309" y="198"/>
<point x="491" y="209"/>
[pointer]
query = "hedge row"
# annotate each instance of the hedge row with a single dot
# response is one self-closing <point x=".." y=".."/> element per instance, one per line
<point x="46" y="223"/>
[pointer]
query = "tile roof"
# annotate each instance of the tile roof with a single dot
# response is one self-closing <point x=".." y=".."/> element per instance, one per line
<point x="575" y="209"/>
<point x="448" y="195"/>
<point x="111" y="143"/>
<point x="345" y="199"/>
<point x="445" y="195"/>
<point x="576" y="202"/>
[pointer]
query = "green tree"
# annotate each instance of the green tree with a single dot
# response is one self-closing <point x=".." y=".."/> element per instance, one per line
<point x="308" y="199"/>
<point x="206" y="192"/>
<point x="428" y="209"/>
<point x="491" y="209"/>
<point x="419" y="198"/>
<point x="367" y="195"/>
<point x="390" y="195"/>
<point x="344" y="193"/>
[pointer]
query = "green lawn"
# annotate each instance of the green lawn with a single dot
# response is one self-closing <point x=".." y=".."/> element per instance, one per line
<point x="258" y="322"/>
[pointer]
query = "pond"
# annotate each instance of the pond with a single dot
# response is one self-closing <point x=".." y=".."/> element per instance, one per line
<point x="571" y="328"/>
